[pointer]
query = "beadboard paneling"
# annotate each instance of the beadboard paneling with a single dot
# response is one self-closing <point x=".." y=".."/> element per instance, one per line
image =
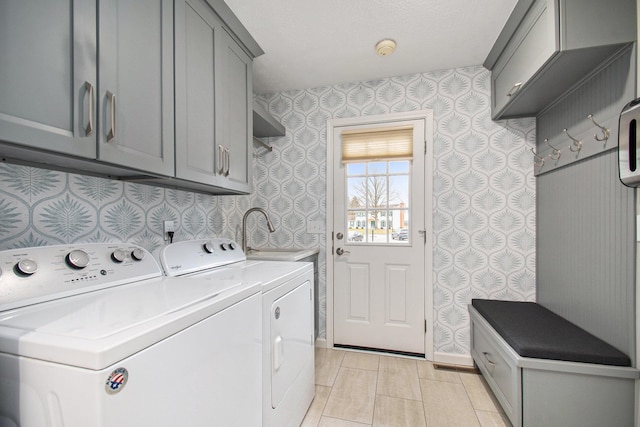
<point x="586" y="248"/>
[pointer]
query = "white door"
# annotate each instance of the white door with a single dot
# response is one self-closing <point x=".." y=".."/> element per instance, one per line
<point x="379" y="245"/>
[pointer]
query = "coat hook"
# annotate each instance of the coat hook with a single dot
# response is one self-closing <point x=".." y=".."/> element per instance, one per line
<point x="537" y="160"/>
<point x="575" y="142"/>
<point x="556" y="153"/>
<point x="605" y="131"/>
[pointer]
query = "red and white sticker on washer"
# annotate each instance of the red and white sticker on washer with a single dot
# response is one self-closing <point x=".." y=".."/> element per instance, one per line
<point x="116" y="381"/>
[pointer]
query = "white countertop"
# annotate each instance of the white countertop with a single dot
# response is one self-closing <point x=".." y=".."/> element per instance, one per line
<point x="276" y="254"/>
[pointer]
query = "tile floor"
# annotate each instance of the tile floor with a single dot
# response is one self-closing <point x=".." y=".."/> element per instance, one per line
<point x="356" y="389"/>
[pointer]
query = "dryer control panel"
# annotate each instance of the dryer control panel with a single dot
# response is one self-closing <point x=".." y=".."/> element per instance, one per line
<point x="33" y="275"/>
<point x="190" y="256"/>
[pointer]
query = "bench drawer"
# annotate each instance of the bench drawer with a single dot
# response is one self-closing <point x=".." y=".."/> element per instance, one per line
<point x="499" y="370"/>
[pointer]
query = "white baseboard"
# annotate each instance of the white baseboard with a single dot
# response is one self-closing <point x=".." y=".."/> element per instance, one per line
<point x="321" y="342"/>
<point x="453" y="359"/>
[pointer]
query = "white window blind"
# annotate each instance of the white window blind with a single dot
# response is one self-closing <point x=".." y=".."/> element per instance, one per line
<point x="391" y="143"/>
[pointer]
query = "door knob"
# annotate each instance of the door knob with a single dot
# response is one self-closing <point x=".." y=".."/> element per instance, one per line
<point x="341" y="251"/>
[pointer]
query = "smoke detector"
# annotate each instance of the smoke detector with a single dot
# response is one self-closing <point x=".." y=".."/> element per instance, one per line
<point x="385" y="47"/>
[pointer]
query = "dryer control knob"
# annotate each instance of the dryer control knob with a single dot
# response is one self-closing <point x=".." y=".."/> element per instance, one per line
<point x="27" y="267"/>
<point x="233" y="246"/>
<point x="224" y="246"/>
<point x="77" y="259"/>
<point x="118" y="255"/>
<point x="137" y="254"/>
<point x="208" y="247"/>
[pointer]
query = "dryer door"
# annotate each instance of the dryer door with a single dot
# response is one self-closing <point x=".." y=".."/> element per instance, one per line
<point x="291" y="322"/>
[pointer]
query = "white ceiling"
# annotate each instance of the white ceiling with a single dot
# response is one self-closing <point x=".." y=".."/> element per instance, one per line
<point x="312" y="43"/>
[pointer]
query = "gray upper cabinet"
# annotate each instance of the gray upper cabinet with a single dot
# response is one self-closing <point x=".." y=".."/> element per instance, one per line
<point x="48" y="75"/>
<point x="55" y="113"/>
<point x="213" y="101"/>
<point x="136" y="85"/>
<point x="196" y="31"/>
<point x="547" y="46"/>
<point x="234" y="132"/>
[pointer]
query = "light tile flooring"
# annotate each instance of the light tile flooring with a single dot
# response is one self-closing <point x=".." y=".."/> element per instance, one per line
<point x="356" y="389"/>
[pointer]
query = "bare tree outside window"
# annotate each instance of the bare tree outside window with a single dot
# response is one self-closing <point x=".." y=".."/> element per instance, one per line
<point x="377" y="206"/>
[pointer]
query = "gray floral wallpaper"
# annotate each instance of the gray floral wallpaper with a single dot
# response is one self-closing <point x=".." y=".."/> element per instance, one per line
<point x="483" y="189"/>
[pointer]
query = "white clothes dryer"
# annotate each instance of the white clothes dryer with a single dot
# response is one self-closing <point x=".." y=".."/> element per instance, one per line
<point x="287" y="313"/>
<point x="95" y="335"/>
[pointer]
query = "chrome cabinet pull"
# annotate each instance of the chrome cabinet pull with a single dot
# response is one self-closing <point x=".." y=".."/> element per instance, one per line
<point x="228" y="160"/>
<point x="220" y="159"/>
<point x="514" y="89"/>
<point x="112" y="130"/>
<point x="89" y="88"/>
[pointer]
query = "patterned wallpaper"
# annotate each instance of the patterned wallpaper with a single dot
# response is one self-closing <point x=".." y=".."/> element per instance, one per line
<point x="41" y="207"/>
<point x="484" y="193"/>
<point x="483" y="188"/>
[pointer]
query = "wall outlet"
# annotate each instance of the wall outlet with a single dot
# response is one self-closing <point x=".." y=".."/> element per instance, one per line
<point x="167" y="227"/>
<point x="315" y="227"/>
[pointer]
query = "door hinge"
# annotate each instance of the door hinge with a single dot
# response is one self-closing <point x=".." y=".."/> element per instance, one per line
<point x="425" y="326"/>
<point x="425" y="147"/>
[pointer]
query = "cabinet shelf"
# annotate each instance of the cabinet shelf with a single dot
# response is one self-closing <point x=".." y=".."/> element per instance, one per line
<point x="264" y="124"/>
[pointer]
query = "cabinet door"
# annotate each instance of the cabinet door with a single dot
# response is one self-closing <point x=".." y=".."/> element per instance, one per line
<point x="197" y="29"/>
<point x="234" y="129"/>
<point x="535" y="42"/>
<point x="48" y="51"/>
<point x="136" y="84"/>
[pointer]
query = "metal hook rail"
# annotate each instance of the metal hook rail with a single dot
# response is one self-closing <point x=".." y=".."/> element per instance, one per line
<point x="556" y="152"/>
<point x="606" y="132"/>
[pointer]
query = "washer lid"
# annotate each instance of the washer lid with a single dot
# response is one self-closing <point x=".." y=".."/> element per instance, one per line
<point x="98" y="329"/>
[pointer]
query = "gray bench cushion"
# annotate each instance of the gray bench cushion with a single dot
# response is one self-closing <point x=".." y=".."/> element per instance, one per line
<point x="534" y="331"/>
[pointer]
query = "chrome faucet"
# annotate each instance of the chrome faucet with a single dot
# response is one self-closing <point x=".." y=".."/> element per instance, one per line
<point x="244" y="225"/>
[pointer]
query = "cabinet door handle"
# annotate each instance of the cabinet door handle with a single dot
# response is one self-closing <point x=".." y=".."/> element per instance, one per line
<point x="89" y="88"/>
<point x="489" y="361"/>
<point x="112" y="130"/>
<point x="221" y="160"/>
<point x="514" y="89"/>
<point x="228" y="160"/>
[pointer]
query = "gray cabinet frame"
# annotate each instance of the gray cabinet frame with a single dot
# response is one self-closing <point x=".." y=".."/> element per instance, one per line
<point x="548" y="46"/>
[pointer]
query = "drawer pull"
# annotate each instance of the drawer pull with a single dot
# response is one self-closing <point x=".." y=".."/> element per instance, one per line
<point x="489" y="361"/>
<point x="514" y="89"/>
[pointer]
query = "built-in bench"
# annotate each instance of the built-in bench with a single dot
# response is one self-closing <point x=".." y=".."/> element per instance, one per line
<point x="546" y="371"/>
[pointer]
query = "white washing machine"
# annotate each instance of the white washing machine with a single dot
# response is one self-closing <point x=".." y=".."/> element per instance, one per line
<point x="287" y="311"/>
<point x="95" y="335"/>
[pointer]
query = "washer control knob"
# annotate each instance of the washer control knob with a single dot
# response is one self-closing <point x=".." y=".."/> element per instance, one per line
<point x="224" y="246"/>
<point x="119" y="255"/>
<point x="137" y="254"/>
<point x="233" y="246"/>
<point x="208" y="247"/>
<point x="78" y="259"/>
<point x="27" y="267"/>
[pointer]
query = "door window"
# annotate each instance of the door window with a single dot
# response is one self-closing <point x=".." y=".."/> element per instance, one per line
<point x="378" y="202"/>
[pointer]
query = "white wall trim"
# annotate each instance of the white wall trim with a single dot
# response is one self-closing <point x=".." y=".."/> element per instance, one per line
<point x="321" y="343"/>
<point x="427" y="116"/>
<point x="453" y="359"/>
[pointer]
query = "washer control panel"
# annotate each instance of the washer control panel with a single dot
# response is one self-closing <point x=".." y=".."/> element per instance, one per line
<point x="190" y="256"/>
<point x="39" y="274"/>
